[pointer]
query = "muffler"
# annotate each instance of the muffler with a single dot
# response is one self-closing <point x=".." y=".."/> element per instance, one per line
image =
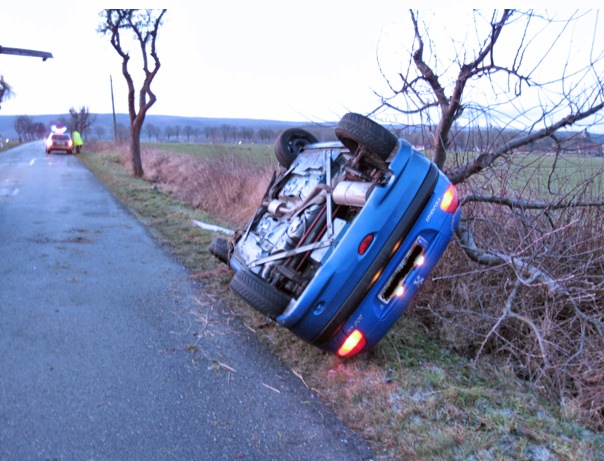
<point x="352" y="193"/>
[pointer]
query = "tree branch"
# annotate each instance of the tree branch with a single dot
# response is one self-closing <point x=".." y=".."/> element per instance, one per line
<point x="492" y="258"/>
<point x="528" y="204"/>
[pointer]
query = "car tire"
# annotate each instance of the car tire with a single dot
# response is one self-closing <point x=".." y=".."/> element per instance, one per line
<point x="220" y="249"/>
<point x="263" y="297"/>
<point x="289" y="143"/>
<point x="354" y="129"/>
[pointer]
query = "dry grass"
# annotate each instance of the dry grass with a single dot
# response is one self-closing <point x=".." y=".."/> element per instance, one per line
<point x="7" y="145"/>
<point x="212" y="184"/>
<point x="225" y="185"/>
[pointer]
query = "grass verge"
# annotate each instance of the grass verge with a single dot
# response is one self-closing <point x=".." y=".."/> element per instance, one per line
<point x="410" y="397"/>
<point x="8" y="145"/>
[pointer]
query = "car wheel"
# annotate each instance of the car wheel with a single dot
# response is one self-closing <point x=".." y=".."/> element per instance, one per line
<point x="290" y="142"/>
<point x="220" y="249"/>
<point x="354" y="129"/>
<point x="263" y="297"/>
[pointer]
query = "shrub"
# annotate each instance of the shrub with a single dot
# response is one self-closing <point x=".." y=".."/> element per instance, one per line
<point x="541" y="308"/>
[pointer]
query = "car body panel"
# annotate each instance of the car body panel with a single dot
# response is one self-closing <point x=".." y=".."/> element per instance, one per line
<point x="355" y="285"/>
<point x="375" y="317"/>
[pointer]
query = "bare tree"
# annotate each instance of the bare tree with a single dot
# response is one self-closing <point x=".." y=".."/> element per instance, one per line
<point x="156" y="133"/>
<point x="122" y="132"/>
<point x="23" y="127"/>
<point x="99" y="130"/>
<point x="5" y="89"/>
<point x="39" y="130"/>
<point x="144" y="26"/>
<point x="211" y="133"/>
<point x="225" y="131"/>
<point x="266" y="135"/>
<point x="188" y="131"/>
<point x="495" y="104"/>
<point x="81" y="120"/>
<point x="247" y="134"/>
<point x="169" y="132"/>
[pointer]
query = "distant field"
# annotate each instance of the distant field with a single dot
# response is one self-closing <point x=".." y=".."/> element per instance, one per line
<point x="541" y="174"/>
<point x="257" y="153"/>
<point x="567" y="174"/>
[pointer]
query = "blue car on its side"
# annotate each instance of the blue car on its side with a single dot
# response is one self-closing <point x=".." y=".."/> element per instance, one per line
<point x="345" y="236"/>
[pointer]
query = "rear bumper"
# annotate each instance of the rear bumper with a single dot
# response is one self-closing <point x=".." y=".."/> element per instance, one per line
<point x="373" y="317"/>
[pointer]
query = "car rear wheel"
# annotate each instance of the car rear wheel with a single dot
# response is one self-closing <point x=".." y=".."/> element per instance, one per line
<point x="263" y="297"/>
<point x="355" y="129"/>
<point x="289" y="143"/>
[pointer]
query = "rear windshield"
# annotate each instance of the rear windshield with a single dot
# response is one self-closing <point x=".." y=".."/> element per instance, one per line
<point x="60" y="137"/>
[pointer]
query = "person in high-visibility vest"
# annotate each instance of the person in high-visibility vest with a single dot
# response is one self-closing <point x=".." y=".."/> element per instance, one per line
<point x="77" y="141"/>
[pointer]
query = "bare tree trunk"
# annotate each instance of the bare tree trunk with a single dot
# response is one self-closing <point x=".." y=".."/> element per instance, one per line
<point x="135" y="148"/>
<point x="145" y="26"/>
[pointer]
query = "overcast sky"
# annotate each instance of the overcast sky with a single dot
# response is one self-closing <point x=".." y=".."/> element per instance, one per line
<point x="268" y="59"/>
<point x="264" y="59"/>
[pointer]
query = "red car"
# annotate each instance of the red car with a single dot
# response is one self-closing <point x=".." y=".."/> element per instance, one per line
<point x="59" y="141"/>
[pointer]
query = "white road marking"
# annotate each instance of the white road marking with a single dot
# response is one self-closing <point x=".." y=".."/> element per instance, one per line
<point x="8" y="191"/>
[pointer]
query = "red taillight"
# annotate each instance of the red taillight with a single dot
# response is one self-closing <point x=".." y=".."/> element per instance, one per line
<point x="353" y="344"/>
<point x="450" y="200"/>
<point x="365" y="244"/>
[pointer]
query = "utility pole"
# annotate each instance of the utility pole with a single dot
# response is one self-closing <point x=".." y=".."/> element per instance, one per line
<point x="113" y="108"/>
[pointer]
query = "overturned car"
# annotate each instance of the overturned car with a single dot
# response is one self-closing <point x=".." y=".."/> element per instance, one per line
<point x="345" y="235"/>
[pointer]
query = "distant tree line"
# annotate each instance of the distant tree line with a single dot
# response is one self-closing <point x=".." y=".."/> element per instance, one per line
<point x="223" y="134"/>
<point x="211" y="134"/>
<point x="465" y="139"/>
<point x="29" y="130"/>
<point x="480" y="139"/>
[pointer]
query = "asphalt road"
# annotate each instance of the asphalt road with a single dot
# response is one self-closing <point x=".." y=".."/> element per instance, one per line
<point x="108" y="351"/>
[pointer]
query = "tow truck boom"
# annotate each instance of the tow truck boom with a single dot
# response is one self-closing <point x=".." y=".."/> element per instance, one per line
<point x="22" y="52"/>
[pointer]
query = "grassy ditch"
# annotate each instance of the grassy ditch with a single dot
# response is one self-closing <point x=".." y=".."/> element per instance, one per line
<point x="8" y="145"/>
<point x="410" y="397"/>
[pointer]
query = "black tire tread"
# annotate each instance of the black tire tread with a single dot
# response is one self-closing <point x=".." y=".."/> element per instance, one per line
<point x="289" y="143"/>
<point x="354" y="129"/>
<point x="263" y="297"/>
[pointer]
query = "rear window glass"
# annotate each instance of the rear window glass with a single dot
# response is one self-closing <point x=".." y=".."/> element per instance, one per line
<point x="60" y="137"/>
